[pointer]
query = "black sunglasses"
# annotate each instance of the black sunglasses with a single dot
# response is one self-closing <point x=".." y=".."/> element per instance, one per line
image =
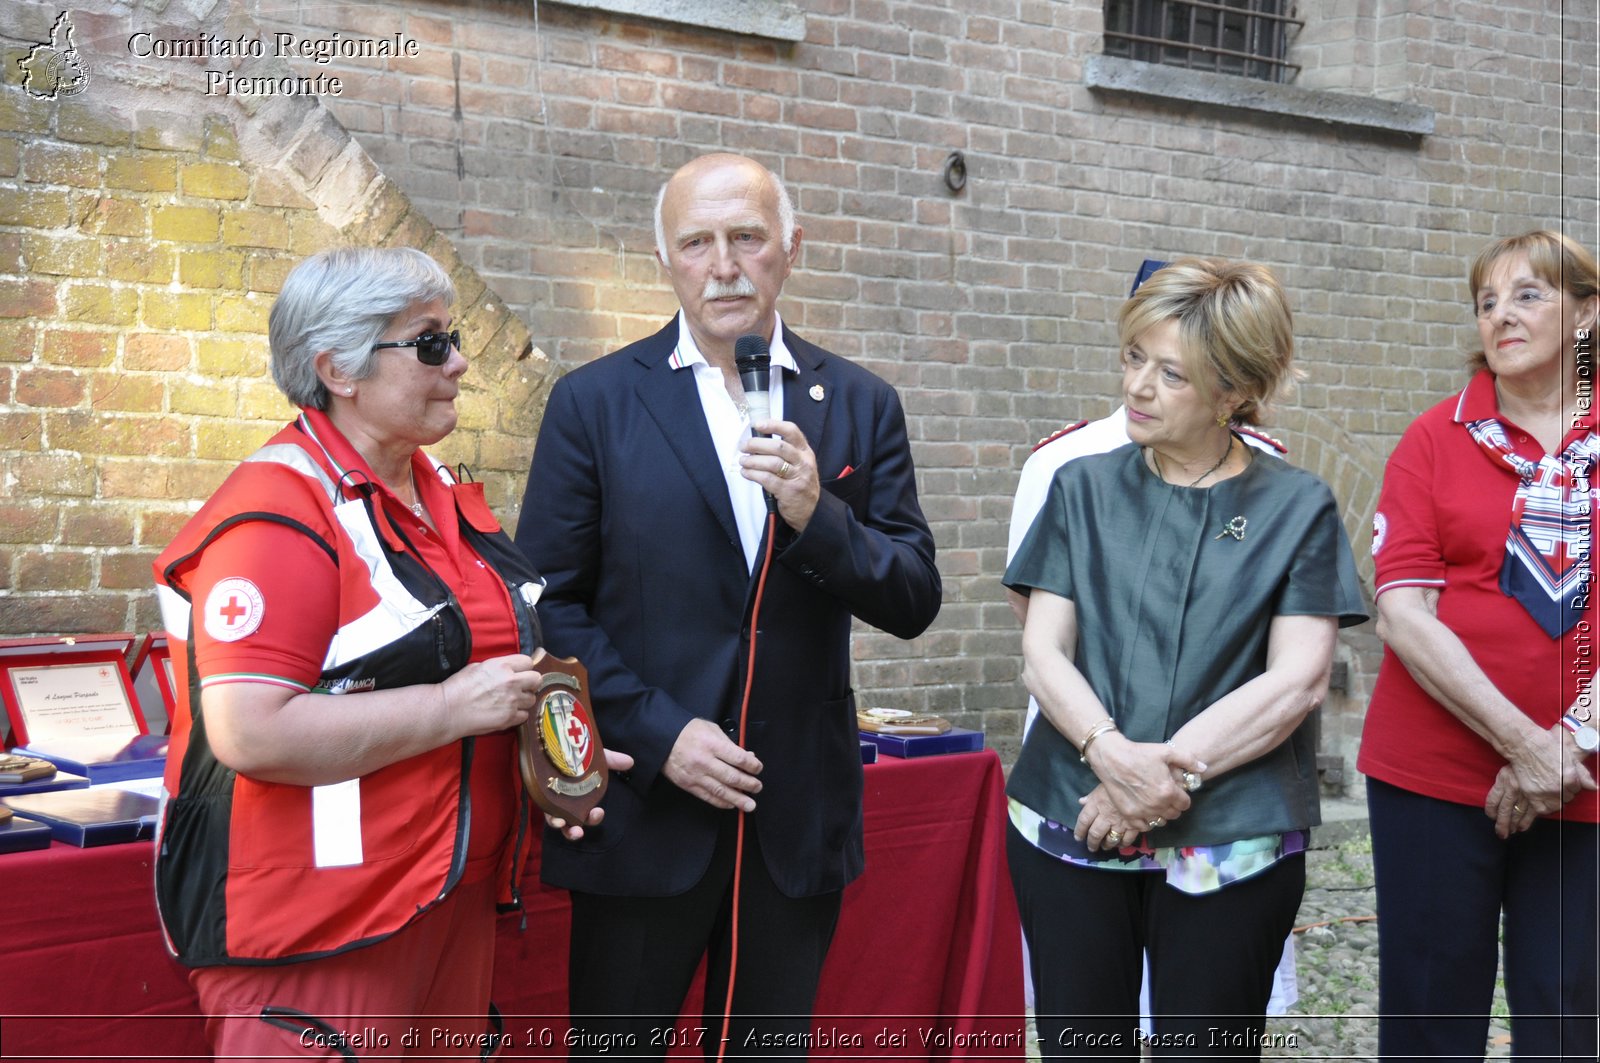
<point x="433" y="348"/>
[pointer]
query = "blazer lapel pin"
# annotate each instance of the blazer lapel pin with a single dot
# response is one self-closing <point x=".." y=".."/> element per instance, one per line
<point x="817" y="393"/>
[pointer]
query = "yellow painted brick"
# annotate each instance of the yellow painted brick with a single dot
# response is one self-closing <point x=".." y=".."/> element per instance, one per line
<point x="63" y="256"/>
<point x="136" y="260"/>
<point x="61" y="164"/>
<point x="230" y="439"/>
<point x="260" y="400"/>
<point x="198" y="479"/>
<point x="108" y="216"/>
<point x="100" y="304"/>
<point x="185" y="311"/>
<point x="243" y="313"/>
<point x="193" y="225"/>
<point x="209" y="398"/>
<point x="97" y="432"/>
<point x="142" y="172"/>
<point x="254" y="228"/>
<point x="310" y="234"/>
<point x="18" y="113"/>
<point x="413" y="231"/>
<point x="231" y="358"/>
<point x="215" y="180"/>
<point x="266" y="270"/>
<point x="17" y="340"/>
<point x="220" y="140"/>
<point x="34" y="208"/>
<point x="132" y="392"/>
<point x="79" y="347"/>
<point x="211" y="269"/>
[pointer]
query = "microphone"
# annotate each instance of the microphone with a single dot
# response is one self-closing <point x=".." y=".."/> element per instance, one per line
<point x="752" y="357"/>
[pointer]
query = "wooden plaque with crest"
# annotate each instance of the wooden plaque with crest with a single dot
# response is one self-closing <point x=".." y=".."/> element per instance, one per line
<point x="563" y="761"/>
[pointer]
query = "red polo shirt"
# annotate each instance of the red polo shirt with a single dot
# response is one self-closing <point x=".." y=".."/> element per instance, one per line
<point x="1442" y="520"/>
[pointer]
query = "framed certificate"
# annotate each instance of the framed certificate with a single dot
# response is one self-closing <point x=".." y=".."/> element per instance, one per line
<point x="152" y="682"/>
<point x="68" y="690"/>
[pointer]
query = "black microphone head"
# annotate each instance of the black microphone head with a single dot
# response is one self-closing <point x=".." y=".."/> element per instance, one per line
<point x="751" y="351"/>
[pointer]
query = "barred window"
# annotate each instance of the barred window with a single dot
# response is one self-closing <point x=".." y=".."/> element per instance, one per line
<point x="1245" y="37"/>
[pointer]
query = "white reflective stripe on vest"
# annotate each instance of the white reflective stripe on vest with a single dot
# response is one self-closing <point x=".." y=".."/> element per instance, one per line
<point x="398" y="612"/>
<point x="174" y="612"/>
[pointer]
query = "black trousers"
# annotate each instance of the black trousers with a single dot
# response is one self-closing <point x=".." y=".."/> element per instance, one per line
<point x="1444" y="881"/>
<point x="1212" y="956"/>
<point x="633" y="958"/>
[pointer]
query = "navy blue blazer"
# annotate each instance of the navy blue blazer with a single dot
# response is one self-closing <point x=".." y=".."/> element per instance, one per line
<point x="627" y="516"/>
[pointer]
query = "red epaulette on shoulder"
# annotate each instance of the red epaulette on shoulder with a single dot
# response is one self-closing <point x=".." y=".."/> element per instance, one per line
<point x="1256" y="433"/>
<point x="1052" y="437"/>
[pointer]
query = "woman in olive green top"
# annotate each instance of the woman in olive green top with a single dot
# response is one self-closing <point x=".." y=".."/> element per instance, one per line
<point x="1185" y="594"/>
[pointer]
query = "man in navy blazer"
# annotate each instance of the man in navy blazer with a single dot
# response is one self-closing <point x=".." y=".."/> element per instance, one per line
<point x="644" y="512"/>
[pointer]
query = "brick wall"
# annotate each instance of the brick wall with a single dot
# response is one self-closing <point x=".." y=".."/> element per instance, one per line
<point x="144" y="229"/>
<point x="532" y="137"/>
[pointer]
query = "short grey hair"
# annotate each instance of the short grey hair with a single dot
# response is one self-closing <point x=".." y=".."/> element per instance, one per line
<point x="344" y="300"/>
<point x="785" y="215"/>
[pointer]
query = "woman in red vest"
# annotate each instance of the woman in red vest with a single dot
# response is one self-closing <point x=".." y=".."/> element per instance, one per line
<point x="353" y="638"/>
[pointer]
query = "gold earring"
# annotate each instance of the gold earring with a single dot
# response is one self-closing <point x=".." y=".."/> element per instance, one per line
<point x="1222" y="420"/>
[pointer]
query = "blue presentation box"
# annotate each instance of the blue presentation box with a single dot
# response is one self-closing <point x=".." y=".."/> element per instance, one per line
<point x="96" y="816"/>
<point x="19" y="834"/>
<point x="955" y="740"/>
<point x="869" y="752"/>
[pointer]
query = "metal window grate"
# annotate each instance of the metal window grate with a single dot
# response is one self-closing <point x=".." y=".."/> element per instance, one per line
<point x="1249" y="38"/>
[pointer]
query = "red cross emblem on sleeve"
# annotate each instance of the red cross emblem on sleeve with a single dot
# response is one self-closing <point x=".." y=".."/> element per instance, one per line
<point x="233" y="609"/>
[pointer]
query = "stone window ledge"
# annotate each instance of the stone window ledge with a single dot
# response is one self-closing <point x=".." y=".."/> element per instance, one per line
<point x="1105" y="73"/>
<point x="778" y="19"/>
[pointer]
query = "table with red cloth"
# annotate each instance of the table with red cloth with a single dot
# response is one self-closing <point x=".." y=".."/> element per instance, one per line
<point x="926" y="963"/>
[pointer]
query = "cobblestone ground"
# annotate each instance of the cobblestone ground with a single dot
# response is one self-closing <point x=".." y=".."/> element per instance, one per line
<point x="1336" y="954"/>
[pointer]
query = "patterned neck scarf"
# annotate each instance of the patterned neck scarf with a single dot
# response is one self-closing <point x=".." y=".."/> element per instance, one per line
<point x="1547" y="549"/>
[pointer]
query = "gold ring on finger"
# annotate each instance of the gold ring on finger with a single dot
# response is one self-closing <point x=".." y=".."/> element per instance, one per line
<point x="785" y="470"/>
<point x="1114" y="837"/>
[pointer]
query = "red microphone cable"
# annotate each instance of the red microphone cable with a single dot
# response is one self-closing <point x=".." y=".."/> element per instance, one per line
<point x="738" y="843"/>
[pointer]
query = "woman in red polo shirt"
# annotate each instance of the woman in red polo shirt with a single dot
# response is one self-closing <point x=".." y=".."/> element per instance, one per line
<point x="1479" y="742"/>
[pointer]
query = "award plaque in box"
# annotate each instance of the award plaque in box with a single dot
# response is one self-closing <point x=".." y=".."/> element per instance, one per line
<point x="71" y="688"/>
<point x="955" y="740"/>
<point x="152" y="682"/>
<point x="900" y="722"/>
<point x="103" y="760"/>
<point x="563" y="761"/>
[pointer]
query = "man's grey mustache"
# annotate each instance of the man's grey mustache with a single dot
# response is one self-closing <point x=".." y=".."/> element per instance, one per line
<point x="717" y="290"/>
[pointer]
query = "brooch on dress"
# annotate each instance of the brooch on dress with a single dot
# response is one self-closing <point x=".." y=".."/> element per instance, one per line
<point x="1234" y="527"/>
